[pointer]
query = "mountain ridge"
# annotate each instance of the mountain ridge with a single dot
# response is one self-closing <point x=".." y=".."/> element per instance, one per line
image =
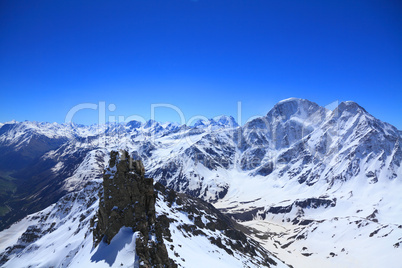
<point x="150" y="121"/>
<point x="264" y="171"/>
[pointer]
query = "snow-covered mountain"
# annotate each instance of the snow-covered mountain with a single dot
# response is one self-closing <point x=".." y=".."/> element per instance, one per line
<point x="313" y="185"/>
<point x="191" y="231"/>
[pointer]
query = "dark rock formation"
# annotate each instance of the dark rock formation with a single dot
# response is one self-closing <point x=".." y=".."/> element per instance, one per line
<point x="128" y="199"/>
<point x="300" y="205"/>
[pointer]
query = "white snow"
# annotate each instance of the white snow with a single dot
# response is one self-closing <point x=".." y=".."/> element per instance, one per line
<point x="332" y="151"/>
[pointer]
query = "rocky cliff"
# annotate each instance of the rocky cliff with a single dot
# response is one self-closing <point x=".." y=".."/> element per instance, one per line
<point x="127" y="199"/>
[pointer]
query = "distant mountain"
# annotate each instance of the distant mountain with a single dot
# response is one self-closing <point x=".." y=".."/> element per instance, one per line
<point x="311" y="184"/>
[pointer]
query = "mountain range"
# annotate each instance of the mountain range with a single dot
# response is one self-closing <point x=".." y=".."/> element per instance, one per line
<point x="306" y="186"/>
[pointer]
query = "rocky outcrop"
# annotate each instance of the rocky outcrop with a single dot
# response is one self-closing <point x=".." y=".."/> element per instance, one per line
<point x="128" y="199"/>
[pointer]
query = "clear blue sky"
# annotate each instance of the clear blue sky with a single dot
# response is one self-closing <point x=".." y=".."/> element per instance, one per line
<point x="201" y="56"/>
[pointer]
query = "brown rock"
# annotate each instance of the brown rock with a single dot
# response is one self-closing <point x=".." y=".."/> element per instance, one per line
<point x="128" y="199"/>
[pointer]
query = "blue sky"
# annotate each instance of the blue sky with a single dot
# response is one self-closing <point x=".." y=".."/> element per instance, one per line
<point x="201" y="56"/>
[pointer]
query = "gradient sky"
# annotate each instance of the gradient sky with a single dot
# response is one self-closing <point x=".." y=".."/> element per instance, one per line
<point x="201" y="56"/>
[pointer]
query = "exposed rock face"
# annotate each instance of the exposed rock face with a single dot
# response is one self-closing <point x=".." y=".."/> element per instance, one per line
<point x="128" y="199"/>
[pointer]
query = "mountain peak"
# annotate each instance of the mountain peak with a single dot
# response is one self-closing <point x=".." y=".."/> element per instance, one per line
<point x="349" y="106"/>
<point x="226" y="121"/>
<point x="293" y="106"/>
<point x="292" y="99"/>
<point x="151" y="123"/>
<point x="220" y="121"/>
<point x="134" y="124"/>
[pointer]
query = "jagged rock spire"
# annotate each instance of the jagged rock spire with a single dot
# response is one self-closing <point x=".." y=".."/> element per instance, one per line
<point x="128" y="199"/>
